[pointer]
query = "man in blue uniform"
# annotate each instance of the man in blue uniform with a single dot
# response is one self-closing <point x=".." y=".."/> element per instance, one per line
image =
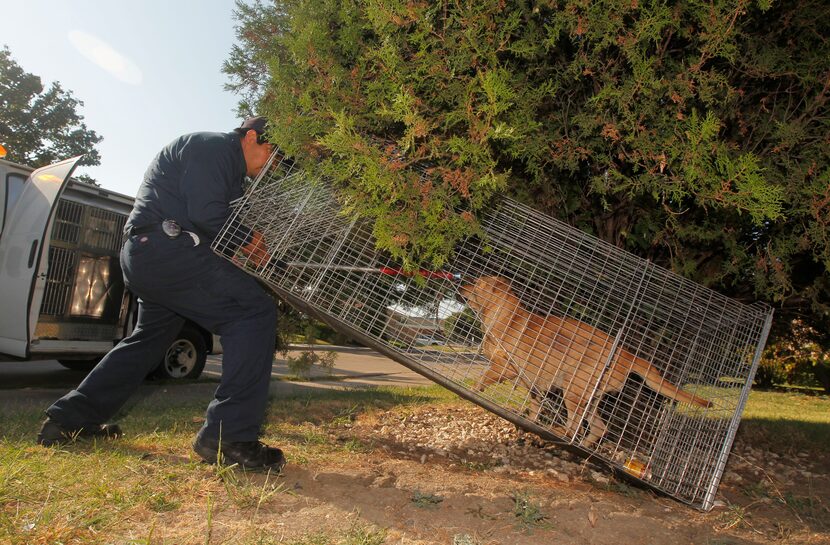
<point x="180" y="208"/>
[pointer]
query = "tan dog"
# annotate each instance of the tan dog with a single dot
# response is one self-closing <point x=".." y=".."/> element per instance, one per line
<point x="544" y="352"/>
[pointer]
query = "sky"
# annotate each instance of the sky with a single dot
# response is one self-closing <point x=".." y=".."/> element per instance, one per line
<point x="147" y="71"/>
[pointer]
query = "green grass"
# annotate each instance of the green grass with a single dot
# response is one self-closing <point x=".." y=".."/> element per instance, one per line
<point x="84" y="492"/>
<point x="61" y="495"/>
<point x="787" y="421"/>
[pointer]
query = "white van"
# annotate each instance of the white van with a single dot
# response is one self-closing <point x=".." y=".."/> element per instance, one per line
<point x="62" y="293"/>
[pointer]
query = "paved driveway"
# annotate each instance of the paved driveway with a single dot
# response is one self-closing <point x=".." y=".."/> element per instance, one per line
<point x="353" y="367"/>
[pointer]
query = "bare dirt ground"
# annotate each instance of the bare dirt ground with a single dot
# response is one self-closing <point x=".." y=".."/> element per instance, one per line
<point x="462" y="476"/>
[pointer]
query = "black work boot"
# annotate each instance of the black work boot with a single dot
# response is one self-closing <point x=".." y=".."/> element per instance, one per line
<point x="246" y="454"/>
<point x="51" y="433"/>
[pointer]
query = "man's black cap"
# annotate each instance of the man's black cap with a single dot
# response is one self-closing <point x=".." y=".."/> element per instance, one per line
<point x="257" y="124"/>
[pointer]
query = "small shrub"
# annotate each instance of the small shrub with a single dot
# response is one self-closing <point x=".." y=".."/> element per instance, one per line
<point x="326" y="360"/>
<point x="821" y="370"/>
<point x="427" y="501"/>
<point x="798" y="359"/>
<point x="527" y="511"/>
<point x="771" y="371"/>
<point x="300" y="365"/>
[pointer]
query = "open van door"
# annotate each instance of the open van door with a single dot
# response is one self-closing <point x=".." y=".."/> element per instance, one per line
<point x="23" y="261"/>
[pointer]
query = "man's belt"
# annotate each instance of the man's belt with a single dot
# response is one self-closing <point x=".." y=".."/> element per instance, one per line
<point x="170" y="228"/>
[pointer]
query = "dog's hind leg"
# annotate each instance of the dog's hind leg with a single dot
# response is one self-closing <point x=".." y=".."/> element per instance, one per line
<point x="574" y="404"/>
<point x="596" y="426"/>
<point x="534" y="403"/>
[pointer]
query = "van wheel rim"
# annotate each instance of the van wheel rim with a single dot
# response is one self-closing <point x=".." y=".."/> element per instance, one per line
<point x="180" y="359"/>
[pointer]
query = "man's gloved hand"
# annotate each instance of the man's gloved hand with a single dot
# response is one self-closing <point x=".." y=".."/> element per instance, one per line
<point x="256" y="250"/>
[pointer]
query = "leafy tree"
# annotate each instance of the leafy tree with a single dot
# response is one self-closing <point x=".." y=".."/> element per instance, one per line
<point x="39" y="126"/>
<point x="795" y="360"/>
<point x="691" y="133"/>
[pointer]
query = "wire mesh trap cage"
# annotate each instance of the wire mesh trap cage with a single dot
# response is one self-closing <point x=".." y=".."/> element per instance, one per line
<point x="558" y="332"/>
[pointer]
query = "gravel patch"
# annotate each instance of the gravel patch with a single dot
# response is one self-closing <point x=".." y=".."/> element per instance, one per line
<point x="472" y="437"/>
<point x="475" y="438"/>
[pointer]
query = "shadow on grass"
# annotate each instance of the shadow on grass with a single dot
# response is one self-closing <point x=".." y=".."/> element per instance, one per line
<point x="804" y="390"/>
<point x="166" y="407"/>
<point x="785" y="436"/>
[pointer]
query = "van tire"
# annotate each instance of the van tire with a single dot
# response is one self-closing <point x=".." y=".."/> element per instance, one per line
<point x="80" y="365"/>
<point x="186" y="356"/>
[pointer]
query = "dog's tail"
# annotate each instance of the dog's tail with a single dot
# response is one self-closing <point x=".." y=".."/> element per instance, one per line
<point x="659" y="384"/>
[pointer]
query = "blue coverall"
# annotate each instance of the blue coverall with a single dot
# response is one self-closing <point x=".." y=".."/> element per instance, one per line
<point x="192" y="180"/>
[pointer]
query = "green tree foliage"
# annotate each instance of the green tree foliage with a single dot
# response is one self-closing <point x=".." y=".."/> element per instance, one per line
<point x="39" y="126"/>
<point x="797" y="360"/>
<point x="691" y="133"/>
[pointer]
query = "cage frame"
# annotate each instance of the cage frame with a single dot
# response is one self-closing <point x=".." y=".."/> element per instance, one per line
<point x="287" y="170"/>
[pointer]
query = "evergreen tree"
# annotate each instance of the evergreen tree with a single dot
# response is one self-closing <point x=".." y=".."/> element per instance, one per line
<point x="691" y="133"/>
